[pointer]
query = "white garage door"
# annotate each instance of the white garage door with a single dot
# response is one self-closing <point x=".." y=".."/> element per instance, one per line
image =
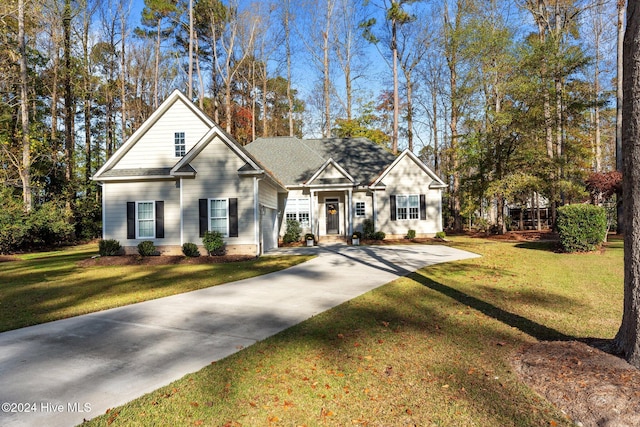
<point x="268" y="229"/>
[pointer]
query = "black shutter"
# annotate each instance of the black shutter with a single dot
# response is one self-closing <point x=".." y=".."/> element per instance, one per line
<point x="204" y="217"/>
<point x="233" y="217"/>
<point x="392" y="200"/>
<point x="131" y="220"/>
<point x="160" y="219"/>
<point x="423" y="207"/>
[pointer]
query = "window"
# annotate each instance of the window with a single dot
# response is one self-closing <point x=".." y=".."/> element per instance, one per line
<point x="360" y="211"/>
<point x="298" y="210"/>
<point x="145" y="220"/>
<point x="408" y="207"/>
<point x="180" y="144"/>
<point x="219" y="216"/>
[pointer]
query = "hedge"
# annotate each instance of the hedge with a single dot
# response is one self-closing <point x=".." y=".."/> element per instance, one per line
<point x="581" y="228"/>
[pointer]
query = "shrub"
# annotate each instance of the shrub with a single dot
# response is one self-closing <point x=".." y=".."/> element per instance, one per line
<point x="44" y="227"/>
<point x="190" y="250"/>
<point x="441" y="235"/>
<point x="581" y="227"/>
<point x="411" y="234"/>
<point x="109" y="247"/>
<point x="367" y="228"/>
<point x="293" y="231"/>
<point x="147" y="248"/>
<point x="214" y="243"/>
<point x="378" y="235"/>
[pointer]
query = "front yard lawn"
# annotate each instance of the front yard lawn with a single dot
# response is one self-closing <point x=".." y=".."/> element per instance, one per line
<point x="42" y="287"/>
<point x="432" y="348"/>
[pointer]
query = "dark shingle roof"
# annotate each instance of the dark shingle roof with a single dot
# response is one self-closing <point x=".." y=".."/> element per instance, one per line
<point x="117" y="173"/>
<point x="294" y="160"/>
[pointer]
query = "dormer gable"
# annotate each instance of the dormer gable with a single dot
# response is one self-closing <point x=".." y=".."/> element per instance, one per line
<point x="163" y="139"/>
<point x="330" y="173"/>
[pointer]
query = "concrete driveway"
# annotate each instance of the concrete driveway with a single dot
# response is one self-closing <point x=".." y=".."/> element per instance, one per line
<point x="59" y="373"/>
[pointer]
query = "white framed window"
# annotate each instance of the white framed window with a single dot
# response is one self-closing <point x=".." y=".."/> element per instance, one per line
<point x="219" y="216"/>
<point x="179" y="144"/>
<point x="145" y="220"/>
<point x="298" y="210"/>
<point x="360" y="209"/>
<point x="408" y="207"/>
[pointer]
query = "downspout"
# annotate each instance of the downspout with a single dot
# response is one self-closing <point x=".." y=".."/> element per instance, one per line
<point x="375" y="209"/>
<point x="312" y="215"/>
<point x="350" y="214"/>
<point x="256" y="214"/>
<point x="104" y="215"/>
<point x="181" y="216"/>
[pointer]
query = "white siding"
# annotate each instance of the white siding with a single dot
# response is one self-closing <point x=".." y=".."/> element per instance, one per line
<point x="361" y="196"/>
<point x="116" y="196"/>
<point x="217" y="177"/>
<point x="268" y="195"/>
<point x="407" y="178"/>
<point x="155" y="149"/>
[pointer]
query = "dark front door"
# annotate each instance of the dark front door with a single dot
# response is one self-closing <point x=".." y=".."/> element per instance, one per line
<point x="333" y="216"/>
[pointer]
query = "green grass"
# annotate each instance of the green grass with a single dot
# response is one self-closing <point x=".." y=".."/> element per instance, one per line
<point x="42" y="287"/>
<point x="429" y="349"/>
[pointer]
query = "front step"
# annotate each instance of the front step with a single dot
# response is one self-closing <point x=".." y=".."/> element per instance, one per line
<point x="330" y="240"/>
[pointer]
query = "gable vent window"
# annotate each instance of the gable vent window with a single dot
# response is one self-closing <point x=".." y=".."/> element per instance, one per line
<point x="181" y="148"/>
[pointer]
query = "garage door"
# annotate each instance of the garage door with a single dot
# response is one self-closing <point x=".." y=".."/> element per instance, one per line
<point x="268" y="230"/>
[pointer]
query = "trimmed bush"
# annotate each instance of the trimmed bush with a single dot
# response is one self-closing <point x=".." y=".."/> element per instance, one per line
<point x="293" y="231"/>
<point x="581" y="228"/>
<point x="109" y="247"/>
<point x="214" y="243"/>
<point x="441" y="235"/>
<point x="190" y="250"/>
<point x="147" y="248"/>
<point x="378" y="235"/>
<point x="367" y="229"/>
<point x="411" y="234"/>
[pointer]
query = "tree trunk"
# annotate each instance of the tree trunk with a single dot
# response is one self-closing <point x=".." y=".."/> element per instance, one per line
<point x="69" y="108"/>
<point x="409" y="112"/>
<point x="25" y="170"/>
<point x="156" y="72"/>
<point x="190" y="72"/>
<point x="396" y="95"/>
<point x="326" y="85"/>
<point x="287" y="40"/>
<point x="434" y="124"/>
<point x="619" y="96"/>
<point x="628" y="337"/>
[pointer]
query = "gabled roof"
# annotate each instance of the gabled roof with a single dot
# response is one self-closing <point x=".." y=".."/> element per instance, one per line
<point x="296" y="161"/>
<point x="176" y="96"/>
<point x="436" y="183"/>
<point x="182" y="168"/>
<point x="317" y="178"/>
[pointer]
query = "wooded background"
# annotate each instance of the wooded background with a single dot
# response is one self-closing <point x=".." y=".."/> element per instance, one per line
<point x="507" y="100"/>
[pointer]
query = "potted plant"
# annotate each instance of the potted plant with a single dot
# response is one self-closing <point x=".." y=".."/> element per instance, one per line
<point x="310" y="238"/>
<point x="355" y="239"/>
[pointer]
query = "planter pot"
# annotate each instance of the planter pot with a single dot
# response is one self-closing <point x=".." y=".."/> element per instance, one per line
<point x="355" y="242"/>
<point x="309" y="242"/>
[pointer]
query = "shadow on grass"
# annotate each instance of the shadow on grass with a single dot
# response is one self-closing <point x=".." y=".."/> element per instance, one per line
<point x="546" y="246"/>
<point x="536" y="330"/>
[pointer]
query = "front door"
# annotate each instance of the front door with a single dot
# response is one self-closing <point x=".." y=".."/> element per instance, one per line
<point x="333" y="216"/>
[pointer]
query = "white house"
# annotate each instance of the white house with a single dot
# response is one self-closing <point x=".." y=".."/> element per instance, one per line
<point x="180" y="174"/>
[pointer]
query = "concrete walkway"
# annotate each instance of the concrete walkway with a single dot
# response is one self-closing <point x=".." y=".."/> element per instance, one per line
<point x="58" y="373"/>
